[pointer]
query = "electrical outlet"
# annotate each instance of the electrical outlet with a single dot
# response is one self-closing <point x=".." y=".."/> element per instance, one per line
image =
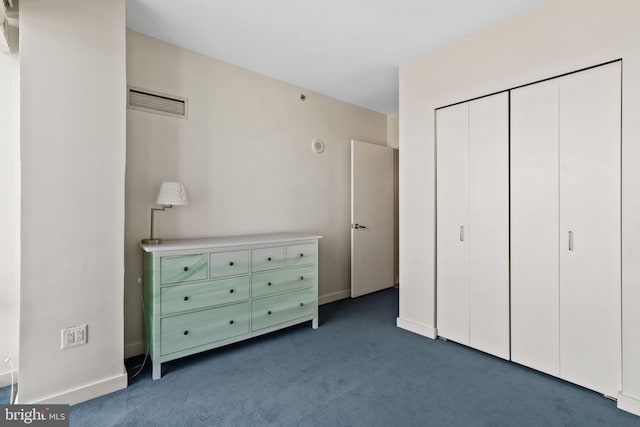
<point x="80" y="335"/>
<point x="68" y="338"/>
<point x="73" y="336"/>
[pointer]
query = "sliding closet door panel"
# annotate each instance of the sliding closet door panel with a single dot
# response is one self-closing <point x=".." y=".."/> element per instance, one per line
<point x="590" y="214"/>
<point x="535" y="267"/>
<point x="489" y="224"/>
<point x="452" y="223"/>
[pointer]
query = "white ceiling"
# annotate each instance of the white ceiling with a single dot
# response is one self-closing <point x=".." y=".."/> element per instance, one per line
<point x="347" y="49"/>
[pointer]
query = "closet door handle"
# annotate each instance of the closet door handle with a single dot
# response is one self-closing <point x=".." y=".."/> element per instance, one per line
<point x="571" y="240"/>
<point x="462" y="233"/>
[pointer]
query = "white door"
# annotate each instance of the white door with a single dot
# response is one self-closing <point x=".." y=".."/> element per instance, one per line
<point x="565" y="227"/>
<point x="452" y="237"/>
<point x="489" y="224"/>
<point x="473" y="223"/>
<point x="371" y="218"/>
<point x="535" y="260"/>
<point x="590" y="283"/>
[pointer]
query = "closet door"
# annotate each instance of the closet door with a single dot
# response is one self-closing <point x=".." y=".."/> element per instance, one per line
<point x="489" y="224"/>
<point x="565" y="227"/>
<point x="472" y="224"/>
<point x="590" y="277"/>
<point x="535" y="263"/>
<point x="452" y="136"/>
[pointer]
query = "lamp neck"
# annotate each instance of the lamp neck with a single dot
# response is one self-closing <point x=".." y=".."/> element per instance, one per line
<point x="153" y="211"/>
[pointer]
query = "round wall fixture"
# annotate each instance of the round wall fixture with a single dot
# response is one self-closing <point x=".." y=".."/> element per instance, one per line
<point x="317" y="145"/>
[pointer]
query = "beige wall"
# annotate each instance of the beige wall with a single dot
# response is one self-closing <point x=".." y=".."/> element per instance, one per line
<point x="244" y="155"/>
<point x="557" y="37"/>
<point x="393" y="141"/>
<point x="72" y="65"/>
<point x="9" y="209"/>
<point x="393" y="130"/>
<point x="396" y="217"/>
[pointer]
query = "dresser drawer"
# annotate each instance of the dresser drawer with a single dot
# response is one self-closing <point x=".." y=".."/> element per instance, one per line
<point x="203" y="327"/>
<point x="267" y="258"/>
<point x="183" y="268"/>
<point x="264" y="284"/>
<point x="282" y="308"/>
<point x="229" y="263"/>
<point x="174" y="299"/>
<point x="304" y="254"/>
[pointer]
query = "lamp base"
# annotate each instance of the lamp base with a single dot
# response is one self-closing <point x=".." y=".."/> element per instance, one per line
<point x="151" y="241"/>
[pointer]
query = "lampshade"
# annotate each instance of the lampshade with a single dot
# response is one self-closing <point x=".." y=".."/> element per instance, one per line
<point x="172" y="193"/>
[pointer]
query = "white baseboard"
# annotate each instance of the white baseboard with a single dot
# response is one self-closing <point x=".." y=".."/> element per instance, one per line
<point x="134" y="349"/>
<point x="5" y="378"/>
<point x="417" y="328"/>
<point x="628" y="403"/>
<point x="334" y="296"/>
<point x="83" y="393"/>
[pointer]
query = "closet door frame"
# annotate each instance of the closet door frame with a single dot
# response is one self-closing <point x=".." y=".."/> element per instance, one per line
<point x="563" y="357"/>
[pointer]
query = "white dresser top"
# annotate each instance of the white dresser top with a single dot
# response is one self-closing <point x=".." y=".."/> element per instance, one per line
<point x="216" y="242"/>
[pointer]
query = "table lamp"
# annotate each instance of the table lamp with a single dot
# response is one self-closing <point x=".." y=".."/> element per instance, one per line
<point x="170" y="194"/>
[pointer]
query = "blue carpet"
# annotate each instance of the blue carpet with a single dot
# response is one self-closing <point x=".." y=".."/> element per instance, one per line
<point x="5" y="395"/>
<point x="357" y="369"/>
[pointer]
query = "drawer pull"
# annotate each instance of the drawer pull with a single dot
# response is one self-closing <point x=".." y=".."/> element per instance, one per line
<point x="269" y="312"/>
<point x="230" y="291"/>
<point x="269" y="284"/>
<point x="186" y="298"/>
<point x="186" y="332"/>
<point x="301" y="304"/>
<point x="269" y="259"/>
<point x="231" y="322"/>
<point x="231" y="263"/>
<point x="301" y="255"/>
<point x="186" y="269"/>
<point x="301" y="277"/>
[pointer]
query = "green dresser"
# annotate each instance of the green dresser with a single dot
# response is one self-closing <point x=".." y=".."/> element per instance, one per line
<point x="201" y="294"/>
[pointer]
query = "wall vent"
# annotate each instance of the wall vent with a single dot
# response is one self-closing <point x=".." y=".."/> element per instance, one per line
<point x="157" y="102"/>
